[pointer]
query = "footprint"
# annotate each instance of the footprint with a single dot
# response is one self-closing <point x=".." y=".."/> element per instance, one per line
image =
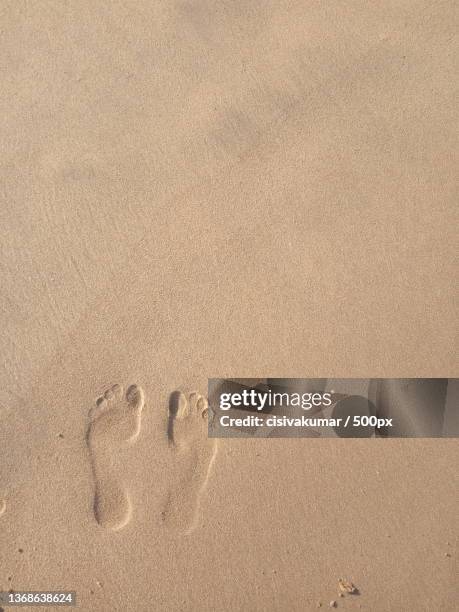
<point x="194" y="455"/>
<point x="114" y="423"/>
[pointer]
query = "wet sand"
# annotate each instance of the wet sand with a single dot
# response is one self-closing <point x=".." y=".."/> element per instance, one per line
<point x="218" y="189"/>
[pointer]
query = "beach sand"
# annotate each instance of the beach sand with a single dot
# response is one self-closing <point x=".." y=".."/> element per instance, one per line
<point x="222" y="189"/>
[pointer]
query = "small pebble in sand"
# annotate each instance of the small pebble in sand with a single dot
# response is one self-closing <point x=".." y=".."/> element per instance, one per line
<point x="345" y="586"/>
<point x="341" y="595"/>
<point x="447" y="555"/>
<point x="333" y="604"/>
<point x="20" y="550"/>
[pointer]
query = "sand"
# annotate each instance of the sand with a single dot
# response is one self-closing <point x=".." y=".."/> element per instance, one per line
<point x="222" y="189"/>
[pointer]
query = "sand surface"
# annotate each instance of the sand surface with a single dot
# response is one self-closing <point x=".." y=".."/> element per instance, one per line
<point x="195" y="189"/>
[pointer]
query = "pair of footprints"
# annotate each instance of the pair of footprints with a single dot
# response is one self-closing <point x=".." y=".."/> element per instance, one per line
<point x="115" y="423"/>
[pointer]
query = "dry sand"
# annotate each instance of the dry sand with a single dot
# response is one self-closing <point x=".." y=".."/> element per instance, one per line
<point x="203" y="188"/>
